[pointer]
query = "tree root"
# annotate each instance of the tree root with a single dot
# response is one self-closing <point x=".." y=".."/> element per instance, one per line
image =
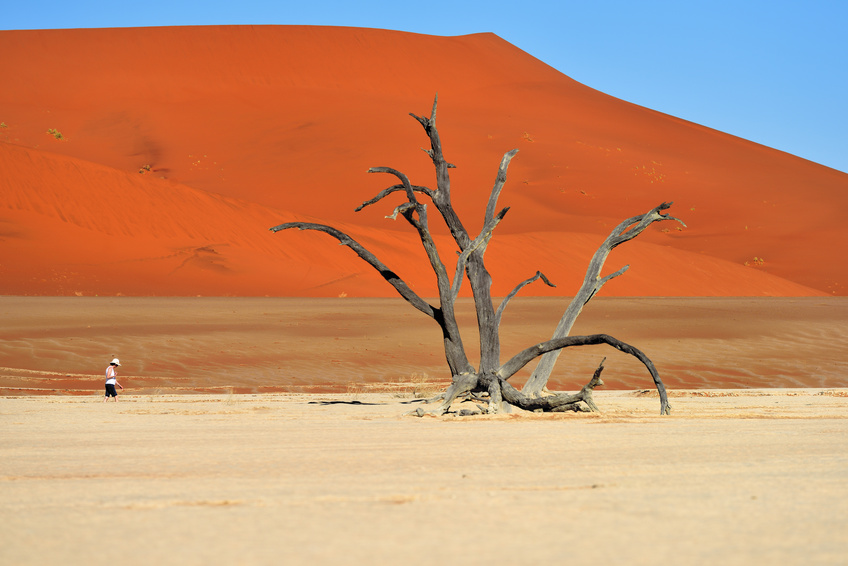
<point x="499" y="390"/>
<point x="560" y="402"/>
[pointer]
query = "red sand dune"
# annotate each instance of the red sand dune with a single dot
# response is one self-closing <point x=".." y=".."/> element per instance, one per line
<point x="246" y="127"/>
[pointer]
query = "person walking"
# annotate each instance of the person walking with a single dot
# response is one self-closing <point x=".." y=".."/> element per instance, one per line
<point x="112" y="380"/>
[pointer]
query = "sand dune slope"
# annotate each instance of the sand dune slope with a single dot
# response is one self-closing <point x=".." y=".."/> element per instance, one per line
<point x="79" y="228"/>
<point x="179" y="147"/>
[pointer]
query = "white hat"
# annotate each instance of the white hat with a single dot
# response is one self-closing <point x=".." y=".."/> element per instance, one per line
<point x="116" y="361"/>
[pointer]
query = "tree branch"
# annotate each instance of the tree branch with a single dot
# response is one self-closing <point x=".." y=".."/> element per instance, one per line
<point x="514" y="292"/>
<point x="405" y="184"/>
<point x="592" y="283"/>
<point x="500" y="180"/>
<point x="522" y="358"/>
<point x="556" y="403"/>
<point x="393" y="189"/>
<point x="421" y="225"/>
<point x="480" y="240"/>
<point x="390" y="276"/>
<point x="442" y="195"/>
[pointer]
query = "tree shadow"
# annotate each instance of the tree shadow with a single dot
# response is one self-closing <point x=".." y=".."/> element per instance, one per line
<point x="342" y="403"/>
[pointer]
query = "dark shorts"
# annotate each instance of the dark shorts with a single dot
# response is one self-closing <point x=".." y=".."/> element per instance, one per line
<point x="110" y="390"/>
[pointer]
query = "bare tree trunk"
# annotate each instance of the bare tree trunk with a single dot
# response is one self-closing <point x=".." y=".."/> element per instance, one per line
<point x="474" y="250"/>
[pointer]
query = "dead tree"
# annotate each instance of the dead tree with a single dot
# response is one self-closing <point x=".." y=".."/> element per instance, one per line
<point x="490" y="379"/>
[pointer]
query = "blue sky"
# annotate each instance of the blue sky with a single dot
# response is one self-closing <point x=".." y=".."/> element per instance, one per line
<point x="774" y="72"/>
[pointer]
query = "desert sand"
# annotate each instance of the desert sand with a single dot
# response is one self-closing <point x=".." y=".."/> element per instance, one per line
<point x="738" y="477"/>
<point x="61" y="345"/>
<point x="255" y="431"/>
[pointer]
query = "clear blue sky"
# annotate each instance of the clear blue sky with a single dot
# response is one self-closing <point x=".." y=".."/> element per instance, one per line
<point x="771" y="71"/>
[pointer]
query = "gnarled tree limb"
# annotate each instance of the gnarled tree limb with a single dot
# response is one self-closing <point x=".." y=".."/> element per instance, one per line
<point x="524" y="357"/>
<point x="393" y="189"/>
<point x="557" y="403"/>
<point x="514" y="292"/>
<point x="592" y="283"/>
<point x="500" y="181"/>
<point x="390" y="276"/>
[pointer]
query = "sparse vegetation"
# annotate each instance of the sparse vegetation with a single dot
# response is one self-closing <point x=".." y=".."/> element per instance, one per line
<point x="55" y="133"/>
<point x="145" y="169"/>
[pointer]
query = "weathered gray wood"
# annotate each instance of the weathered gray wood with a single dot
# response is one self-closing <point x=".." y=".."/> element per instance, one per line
<point x="528" y="354"/>
<point x="514" y="292"/>
<point x="559" y="403"/>
<point x="390" y="276"/>
<point x="592" y="283"/>
<point x="490" y="378"/>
